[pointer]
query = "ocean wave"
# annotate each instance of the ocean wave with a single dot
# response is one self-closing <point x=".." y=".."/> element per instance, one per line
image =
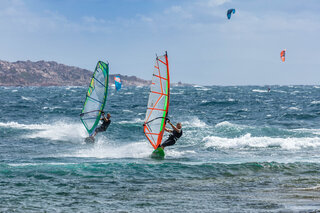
<point x="61" y="131"/>
<point x="294" y="108"/>
<point x="219" y="102"/>
<point x="201" y="88"/>
<point x="300" y="116"/>
<point x="38" y="164"/>
<point x="104" y="149"/>
<point x="259" y="90"/>
<point x="16" y="125"/>
<point x="261" y="142"/>
<point x="27" y="98"/>
<point x="179" y="169"/>
<point x="224" y="123"/>
<point x="134" y="121"/>
<point x="279" y="91"/>
<point x="315" y="102"/>
<point x="194" y="122"/>
<point x="304" y="130"/>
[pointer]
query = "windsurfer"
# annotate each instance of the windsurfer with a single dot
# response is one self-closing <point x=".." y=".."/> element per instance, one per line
<point x="105" y="123"/>
<point x="176" y="133"/>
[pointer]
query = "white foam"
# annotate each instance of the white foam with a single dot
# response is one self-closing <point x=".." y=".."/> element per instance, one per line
<point x="315" y="102"/>
<point x="103" y="149"/>
<point x="194" y="122"/>
<point x="175" y="153"/>
<point x="280" y="91"/>
<point x="259" y="90"/>
<point x="294" y="108"/>
<point x="73" y="87"/>
<point x="14" y="90"/>
<point x="134" y="121"/>
<point x="202" y="89"/>
<point x="63" y="131"/>
<point x="295" y="92"/>
<point x="73" y="132"/>
<point x="224" y="123"/>
<point x="23" y="126"/>
<point x="27" y="98"/>
<point x="198" y="87"/>
<point x="126" y="110"/>
<point x="312" y="188"/>
<point x="51" y="108"/>
<point x="262" y="142"/>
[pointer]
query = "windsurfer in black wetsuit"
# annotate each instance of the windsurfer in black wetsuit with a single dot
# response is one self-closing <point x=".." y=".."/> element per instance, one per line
<point x="105" y="123"/>
<point x="176" y="133"/>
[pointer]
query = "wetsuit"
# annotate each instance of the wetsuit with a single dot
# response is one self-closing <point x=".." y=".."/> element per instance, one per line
<point x="172" y="139"/>
<point x="104" y="126"/>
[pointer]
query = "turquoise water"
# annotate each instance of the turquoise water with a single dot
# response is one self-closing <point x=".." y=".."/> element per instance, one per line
<point x="243" y="150"/>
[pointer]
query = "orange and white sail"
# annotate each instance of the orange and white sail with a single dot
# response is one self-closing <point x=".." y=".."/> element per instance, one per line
<point x="158" y="103"/>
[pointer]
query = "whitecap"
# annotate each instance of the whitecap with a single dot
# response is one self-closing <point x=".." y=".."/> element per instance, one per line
<point x="194" y="122"/>
<point x="262" y="142"/>
<point x="136" y="120"/>
<point x="104" y="149"/>
<point x="259" y="90"/>
<point x="294" y="108"/>
<point x="27" y="98"/>
<point x="56" y="131"/>
<point x="315" y="102"/>
<point x="224" y="123"/>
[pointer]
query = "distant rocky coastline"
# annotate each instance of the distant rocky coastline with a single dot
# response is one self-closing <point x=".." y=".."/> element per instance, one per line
<point x="50" y="73"/>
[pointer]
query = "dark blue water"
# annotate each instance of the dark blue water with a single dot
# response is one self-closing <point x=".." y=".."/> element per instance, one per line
<point x="243" y="150"/>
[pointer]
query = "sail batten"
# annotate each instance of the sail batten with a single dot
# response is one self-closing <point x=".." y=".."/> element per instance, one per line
<point x="96" y="97"/>
<point x="158" y="103"/>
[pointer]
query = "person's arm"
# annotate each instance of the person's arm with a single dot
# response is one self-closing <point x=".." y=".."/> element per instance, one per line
<point x="174" y="127"/>
<point x="168" y="130"/>
<point x="104" y="118"/>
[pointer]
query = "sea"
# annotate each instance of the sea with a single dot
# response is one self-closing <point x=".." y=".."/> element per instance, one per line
<point x="243" y="149"/>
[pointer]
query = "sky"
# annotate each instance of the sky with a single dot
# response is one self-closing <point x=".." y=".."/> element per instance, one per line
<point x="204" y="47"/>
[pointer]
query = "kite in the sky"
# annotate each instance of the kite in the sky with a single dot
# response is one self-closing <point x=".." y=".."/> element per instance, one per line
<point x="230" y="11"/>
<point x="283" y="55"/>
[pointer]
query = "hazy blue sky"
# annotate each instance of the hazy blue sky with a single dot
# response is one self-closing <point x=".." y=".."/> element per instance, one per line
<point x="203" y="46"/>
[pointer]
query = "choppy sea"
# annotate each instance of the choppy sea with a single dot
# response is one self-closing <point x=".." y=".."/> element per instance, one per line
<point x="243" y="150"/>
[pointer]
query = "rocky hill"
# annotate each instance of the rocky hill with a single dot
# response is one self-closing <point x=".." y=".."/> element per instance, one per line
<point x="50" y="73"/>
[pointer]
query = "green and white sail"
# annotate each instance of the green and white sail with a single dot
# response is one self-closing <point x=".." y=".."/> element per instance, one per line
<point x="96" y="97"/>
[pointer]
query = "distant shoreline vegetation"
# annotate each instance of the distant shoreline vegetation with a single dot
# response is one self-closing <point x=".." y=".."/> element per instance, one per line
<point x="51" y="73"/>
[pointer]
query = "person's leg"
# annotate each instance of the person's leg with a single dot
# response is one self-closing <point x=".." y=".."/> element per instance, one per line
<point x="168" y="142"/>
<point x="99" y="129"/>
